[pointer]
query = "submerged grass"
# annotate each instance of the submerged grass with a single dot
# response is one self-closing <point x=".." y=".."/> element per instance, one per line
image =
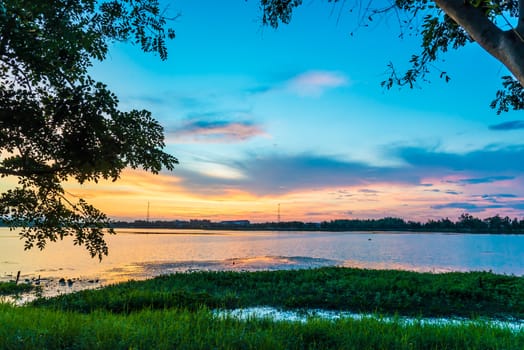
<point x="30" y="327"/>
<point x="12" y="288"/>
<point x="390" y="292"/>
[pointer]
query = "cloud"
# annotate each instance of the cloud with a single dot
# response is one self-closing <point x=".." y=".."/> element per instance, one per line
<point x="368" y="191"/>
<point x="312" y="83"/>
<point x="270" y="174"/>
<point x="315" y="83"/>
<point x="262" y="89"/>
<point x="218" y="131"/>
<point x="512" y="125"/>
<point x="470" y="207"/>
<point x="488" y="160"/>
<point x="446" y="192"/>
<point x="481" y="180"/>
<point x="455" y="193"/>
<point x="473" y="207"/>
<point x="499" y="195"/>
<point x="342" y="194"/>
<point x="277" y="174"/>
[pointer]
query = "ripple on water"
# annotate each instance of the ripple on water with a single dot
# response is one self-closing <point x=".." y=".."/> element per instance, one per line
<point x="257" y="263"/>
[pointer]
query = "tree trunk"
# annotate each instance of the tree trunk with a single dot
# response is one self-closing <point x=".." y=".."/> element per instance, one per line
<point x="505" y="46"/>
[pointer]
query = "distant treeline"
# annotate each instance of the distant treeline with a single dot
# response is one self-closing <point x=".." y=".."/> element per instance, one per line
<point x="466" y="223"/>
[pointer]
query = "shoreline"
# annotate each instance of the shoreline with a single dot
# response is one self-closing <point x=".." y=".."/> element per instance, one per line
<point x="370" y="309"/>
<point x="59" y="284"/>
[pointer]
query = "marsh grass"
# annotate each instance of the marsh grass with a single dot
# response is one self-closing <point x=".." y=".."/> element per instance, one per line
<point x="390" y="292"/>
<point x="12" y="288"/>
<point x="174" y="312"/>
<point x="30" y="328"/>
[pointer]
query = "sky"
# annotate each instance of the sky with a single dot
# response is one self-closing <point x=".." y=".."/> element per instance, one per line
<point x="296" y="117"/>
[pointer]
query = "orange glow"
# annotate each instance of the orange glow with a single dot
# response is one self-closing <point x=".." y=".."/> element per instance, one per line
<point x="168" y="199"/>
<point x="128" y="199"/>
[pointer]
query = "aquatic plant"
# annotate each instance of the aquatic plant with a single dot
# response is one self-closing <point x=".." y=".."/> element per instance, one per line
<point x="389" y="292"/>
<point x="12" y="288"/>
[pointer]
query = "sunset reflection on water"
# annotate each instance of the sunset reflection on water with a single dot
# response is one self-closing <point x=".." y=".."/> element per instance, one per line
<point x="139" y="254"/>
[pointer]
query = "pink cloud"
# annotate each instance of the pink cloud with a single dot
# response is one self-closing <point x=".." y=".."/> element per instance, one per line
<point x="217" y="131"/>
<point x="315" y="83"/>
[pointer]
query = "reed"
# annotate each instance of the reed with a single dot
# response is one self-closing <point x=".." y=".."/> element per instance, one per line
<point x="389" y="292"/>
<point x="12" y="288"/>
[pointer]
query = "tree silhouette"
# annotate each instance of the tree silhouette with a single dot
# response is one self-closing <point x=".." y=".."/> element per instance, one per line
<point x="57" y="123"/>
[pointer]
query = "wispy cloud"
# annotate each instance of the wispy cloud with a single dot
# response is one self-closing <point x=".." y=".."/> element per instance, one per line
<point x="315" y="83"/>
<point x="281" y="173"/>
<point x="499" y="195"/>
<point x="470" y="207"/>
<point x="455" y="193"/>
<point x="368" y="191"/>
<point x="480" y="180"/>
<point x="435" y="190"/>
<point x="487" y="160"/>
<point x="278" y="174"/>
<point x="217" y="131"/>
<point x="506" y="126"/>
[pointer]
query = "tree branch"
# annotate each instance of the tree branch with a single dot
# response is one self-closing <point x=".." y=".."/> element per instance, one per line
<point x="505" y="46"/>
<point x="475" y="22"/>
<point x="33" y="172"/>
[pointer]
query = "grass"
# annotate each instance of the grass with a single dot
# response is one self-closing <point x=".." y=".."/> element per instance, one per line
<point x="30" y="328"/>
<point x="173" y="311"/>
<point x="12" y="288"/>
<point x="388" y="292"/>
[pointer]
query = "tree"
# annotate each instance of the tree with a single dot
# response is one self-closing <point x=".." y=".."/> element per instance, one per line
<point x="496" y="25"/>
<point x="57" y="123"/>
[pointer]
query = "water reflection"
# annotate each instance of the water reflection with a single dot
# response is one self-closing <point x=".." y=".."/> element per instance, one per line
<point x="136" y="254"/>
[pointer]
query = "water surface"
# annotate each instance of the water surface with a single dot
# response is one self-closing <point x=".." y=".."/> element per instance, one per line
<point x="137" y="254"/>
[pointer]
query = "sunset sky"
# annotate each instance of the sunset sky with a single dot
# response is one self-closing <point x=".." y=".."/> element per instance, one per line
<point x="296" y="116"/>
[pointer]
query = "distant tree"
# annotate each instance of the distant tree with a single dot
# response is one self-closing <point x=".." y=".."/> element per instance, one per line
<point x="469" y="223"/>
<point x="497" y="224"/>
<point x="58" y="124"/>
<point x="496" y="25"/>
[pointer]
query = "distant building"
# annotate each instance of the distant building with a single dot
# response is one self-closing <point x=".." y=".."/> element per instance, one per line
<point x="235" y="222"/>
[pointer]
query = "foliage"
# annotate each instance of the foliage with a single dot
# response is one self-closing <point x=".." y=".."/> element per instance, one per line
<point x="440" y="32"/>
<point x="58" y="124"/>
<point x="34" y="328"/>
<point x="387" y="292"/>
<point x="275" y="11"/>
<point x="511" y="97"/>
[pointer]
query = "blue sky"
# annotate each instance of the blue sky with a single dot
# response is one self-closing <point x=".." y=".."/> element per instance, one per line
<point x="297" y="116"/>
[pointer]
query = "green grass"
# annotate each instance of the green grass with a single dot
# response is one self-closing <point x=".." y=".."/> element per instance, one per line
<point x="382" y="291"/>
<point x="36" y="328"/>
<point x="11" y="288"/>
<point x="173" y="312"/>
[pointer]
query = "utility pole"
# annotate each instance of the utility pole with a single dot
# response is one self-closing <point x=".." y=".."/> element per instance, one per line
<point x="278" y="216"/>
<point x="147" y="219"/>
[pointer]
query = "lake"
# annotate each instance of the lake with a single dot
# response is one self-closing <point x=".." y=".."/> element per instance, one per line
<point x="143" y="253"/>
